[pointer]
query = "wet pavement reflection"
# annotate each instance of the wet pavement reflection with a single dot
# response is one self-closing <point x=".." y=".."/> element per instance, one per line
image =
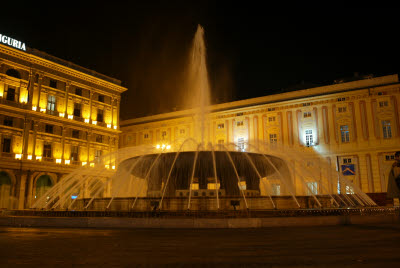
<point x="367" y="246"/>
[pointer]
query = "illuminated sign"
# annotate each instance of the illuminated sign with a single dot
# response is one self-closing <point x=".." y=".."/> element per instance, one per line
<point x="12" y="42"/>
<point x="348" y="170"/>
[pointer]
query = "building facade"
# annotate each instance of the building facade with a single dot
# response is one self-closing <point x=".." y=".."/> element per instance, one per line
<point x="54" y="116"/>
<point x="354" y="126"/>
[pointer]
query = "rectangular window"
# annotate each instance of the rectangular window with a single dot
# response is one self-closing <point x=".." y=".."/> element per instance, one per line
<point x="307" y="104"/>
<point x="242" y="185"/>
<point x="100" y="98"/>
<point x="97" y="155"/>
<point x="276" y="189"/>
<point x="77" y="109"/>
<point x="53" y="83"/>
<point x="271" y="119"/>
<point x="99" y="138"/>
<point x="51" y="103"/>
<point x="47" y="151"/>
<point x="387" y="129"/>
<point x="74" y="153"/>
<point x="100" y="115"/>
<point x="78" y="91"/>
<point x="146" y="136"/>
<point x="8" y="121"/>
<point x="240" y="144"/>
<point x="389" y="157"/>
<point x="221" y="141"/>
<point x="342" y="109"/>
<point x="309" y="138"/>
<point x="383" y="104"/>
<point x="164" y="134"/>
<point x="239" y="123"/>
<point x="49" y="129"/>
<point x="271" y="109"/>
<point x="345" y="134"/>
<point x="6" y="145"/>
<point x="11" y="94"/>
<point x="312" y="188"/>
<point x="341" y="99"/>
<point x="346" y="160"/>
<point x="182" y="131"/>
<point x="75" y="134"/>
<point x="273" y="139"/>
<point x="307" y="114"/>
<point x="220" y="126"/>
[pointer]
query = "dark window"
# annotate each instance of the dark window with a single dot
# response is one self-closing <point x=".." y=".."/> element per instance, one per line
<point x="99" y="115"/>
<point x="99" y="138"/>
<point x="53" y="83"/>
<point x="47" y="150"/>
<point x="8" y="121"/>
<point x="78" y="91"/>
<point x="6" y="145"/>
<point x="77" y="109"/>
<point x="74" y="153"/>
<point x="101" y="98"/>
<point x="49" y="129"/>
<point x="75" y="134"/>
<point x="11" y="94"/>
<point x="13" y="73"/>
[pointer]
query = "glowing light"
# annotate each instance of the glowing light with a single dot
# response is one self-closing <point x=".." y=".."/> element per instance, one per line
<point x="34" y="108"/>
<point x="39" y="157"/>
<point x="108" y="125"/>
<point x="74" y="196"/>
<point x="30" y="157"/>
<point x="61" y="114"/>
<point x="87" y="120"/>
<point x="84" y="163"/>
<point x="58" y="161"/>
<point x="115" y="127"/>
<point x="163" y="146"/>
<point x="94" y="122"/>
<point x="158" y="146"/>
<point x="91" y="164"/>
<point x="107" y="166"/>
<point x="43" y="110"/>
<point x="113" y="167"/>
<point x="168" y="147"/>
<point x="67" y="161"/>
<point x="18" y="156"/>
<point x="70" y="116"/>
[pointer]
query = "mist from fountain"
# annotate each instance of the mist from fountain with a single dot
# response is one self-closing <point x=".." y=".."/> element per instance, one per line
<point x="148" y="173"/>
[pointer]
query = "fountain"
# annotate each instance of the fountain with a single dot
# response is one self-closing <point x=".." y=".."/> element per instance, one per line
<point x="198" y="176"/>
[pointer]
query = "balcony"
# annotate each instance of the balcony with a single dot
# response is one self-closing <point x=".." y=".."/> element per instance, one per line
<point x="14" y="104"/>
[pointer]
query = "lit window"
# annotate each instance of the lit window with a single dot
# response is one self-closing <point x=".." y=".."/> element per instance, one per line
<point x="51" y="103"/>
<point x="387" y="129"/>
<point x="307" y="114"/>
<point x="240" y="144"/>
<point x="221" y="126"/>
<point x="309" y="138"/>
<point x="312" y="188"/>
<point x="242" y="185"/>
<point x="345" y="134"/>
<point x="273" y="138"/>
<point x="276" y="189"/>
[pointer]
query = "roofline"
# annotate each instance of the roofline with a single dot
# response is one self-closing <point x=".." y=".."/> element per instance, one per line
<point x="269" y="99"/>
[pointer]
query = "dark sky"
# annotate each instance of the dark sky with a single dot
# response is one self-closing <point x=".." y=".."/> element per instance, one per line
<point x="252" y="50"/>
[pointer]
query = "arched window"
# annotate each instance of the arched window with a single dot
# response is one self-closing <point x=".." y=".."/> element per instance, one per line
<point x="13" y="73"/>
<point x="5" y="190"/>
<point x="43" y="184"/>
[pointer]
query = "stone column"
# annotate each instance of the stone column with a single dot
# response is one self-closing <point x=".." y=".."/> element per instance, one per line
<point x="25" y="137"/>
<point x="21" y="194"/>
<point x="40" y="80"/>
<point x="64" y="133"/>
<point x="67" y="86"/>
<point x="35" y="129"/>
<point x="31" y="86"/>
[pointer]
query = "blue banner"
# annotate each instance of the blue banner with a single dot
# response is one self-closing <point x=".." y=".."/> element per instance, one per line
<point x="348" y="170"/>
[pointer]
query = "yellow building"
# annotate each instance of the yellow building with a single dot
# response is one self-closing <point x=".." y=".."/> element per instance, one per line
<point x="54" y="117"/>
<point x="353" y="125"/>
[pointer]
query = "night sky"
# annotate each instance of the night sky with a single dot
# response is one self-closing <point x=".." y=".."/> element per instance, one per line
<point x="252" y="50"/>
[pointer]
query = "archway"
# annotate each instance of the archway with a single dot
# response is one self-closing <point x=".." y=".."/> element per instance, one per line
<point x="13" y="73"/>
<point x="43" y="184"/>
<point x="5" y="190"/>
